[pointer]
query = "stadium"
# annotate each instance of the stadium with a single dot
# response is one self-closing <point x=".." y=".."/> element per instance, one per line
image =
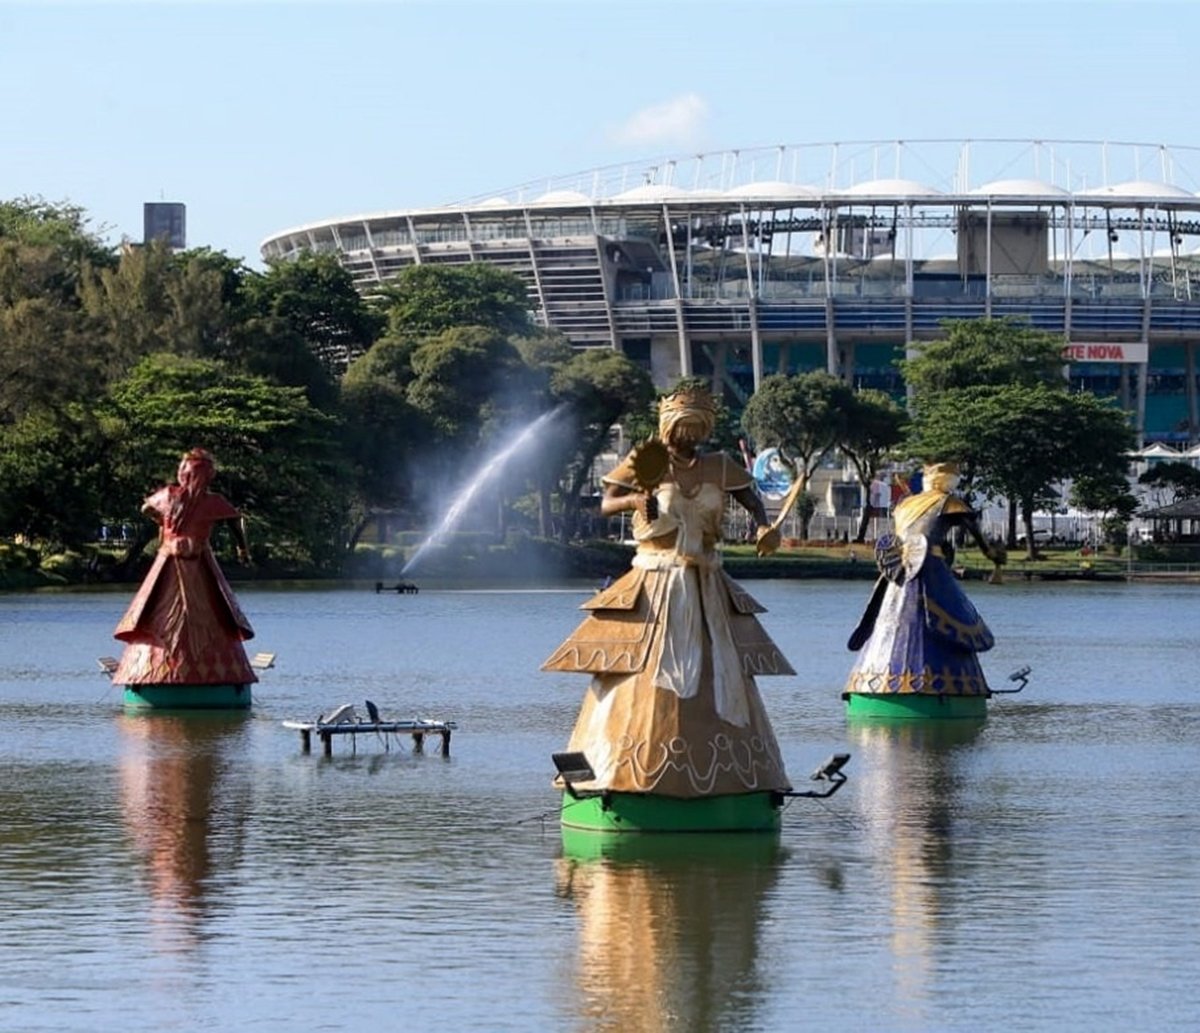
<point x="841" y="256"/>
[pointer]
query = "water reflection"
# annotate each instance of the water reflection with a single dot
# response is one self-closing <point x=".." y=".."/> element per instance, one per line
<point x="668" y="927"/>
<point x="185" y="804"/>
<point x="907" y="787"/>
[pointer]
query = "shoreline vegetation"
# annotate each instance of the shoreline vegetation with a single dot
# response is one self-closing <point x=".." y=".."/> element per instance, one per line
<point x="474" y="558"/>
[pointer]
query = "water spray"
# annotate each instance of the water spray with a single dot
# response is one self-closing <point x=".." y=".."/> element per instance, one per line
<point x="486" y="473"/>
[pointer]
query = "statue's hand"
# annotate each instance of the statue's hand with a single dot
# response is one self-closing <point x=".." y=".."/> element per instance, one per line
<point x="766" y="540"/>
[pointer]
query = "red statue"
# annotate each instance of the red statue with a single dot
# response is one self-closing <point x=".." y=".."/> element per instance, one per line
<point x="184" y="626"/>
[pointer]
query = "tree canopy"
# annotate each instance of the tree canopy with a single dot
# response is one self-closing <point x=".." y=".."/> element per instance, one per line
<point x="803" y="416"/>
<point x="872" y="428"/>
<point x="1021" y="441"/>
<point x="429" y="299"/>
<point x="984" y="352"/>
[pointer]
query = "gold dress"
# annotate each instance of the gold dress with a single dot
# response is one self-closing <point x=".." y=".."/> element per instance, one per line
<point x="673" y="648"/>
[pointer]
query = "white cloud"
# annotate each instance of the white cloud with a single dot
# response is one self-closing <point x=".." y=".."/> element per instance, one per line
<point x="678" y="122"/>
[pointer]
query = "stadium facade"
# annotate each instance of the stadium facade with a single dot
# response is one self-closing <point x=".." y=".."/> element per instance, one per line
<point x="841" y="256"/>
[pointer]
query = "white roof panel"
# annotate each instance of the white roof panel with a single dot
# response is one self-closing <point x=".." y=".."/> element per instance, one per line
<point x="494" y="202"/>
<point x="1019" y="188"/>
<point x="890" y="188"/>
<point x="563" y="197"/>
<point x="1140" y="188"/>
<point x="773" y="190"/>
<point x="652" y="192"/>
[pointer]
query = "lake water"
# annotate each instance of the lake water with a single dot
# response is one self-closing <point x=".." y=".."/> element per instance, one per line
<point x="1036" y="871"/>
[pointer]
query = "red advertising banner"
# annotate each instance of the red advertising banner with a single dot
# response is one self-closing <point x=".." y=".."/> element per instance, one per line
<point x="1106" y="351"/>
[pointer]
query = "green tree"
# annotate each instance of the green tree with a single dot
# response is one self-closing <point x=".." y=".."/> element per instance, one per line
<point x="600" y="387"/>
<point x="470" y="388"/>
<point x="46" y="358"/>
<point x="983" y="352"/>
<point x="53" y="477"/>
<point x="462" y="378"/>
<point x="382" y="430"/>
<point x="155" y="301"/>
<point x="873" y="427"/>
<point x="45" y="248"/>
<point x="425" y="300"/>
<point x="1108" y="494"/>
<point x="312" y="299"/>
<point x="1019" y="441"/>
<point x="803" y="416"/>
<point x="280" y="459"/>
<point x="1172" y="481"/>
<point x="805" y="508"/>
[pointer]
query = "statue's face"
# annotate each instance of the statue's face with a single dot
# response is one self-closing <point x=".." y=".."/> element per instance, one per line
<point x="687" y="432"/>
<point x="194" y="474"/>
<point x="946" y="482"/>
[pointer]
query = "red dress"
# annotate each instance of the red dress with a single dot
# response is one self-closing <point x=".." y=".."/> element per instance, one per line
<point x="184" y="626"/>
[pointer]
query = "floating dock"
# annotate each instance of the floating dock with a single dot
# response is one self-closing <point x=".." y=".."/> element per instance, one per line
<point x="418" y="728"/>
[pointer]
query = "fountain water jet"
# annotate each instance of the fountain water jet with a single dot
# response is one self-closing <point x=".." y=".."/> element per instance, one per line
<point x="464" y="497"/>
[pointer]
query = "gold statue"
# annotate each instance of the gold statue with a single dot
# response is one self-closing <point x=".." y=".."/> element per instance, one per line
<point x="674" y="645"/>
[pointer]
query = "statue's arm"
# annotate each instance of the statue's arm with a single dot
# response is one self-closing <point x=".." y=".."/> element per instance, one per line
<point x="970" y="524"/>
<point x="237" y="527"/>
<point x="766" y="538"/>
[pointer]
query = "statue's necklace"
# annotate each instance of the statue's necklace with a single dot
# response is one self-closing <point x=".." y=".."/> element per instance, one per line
<point x="686" y="467"/>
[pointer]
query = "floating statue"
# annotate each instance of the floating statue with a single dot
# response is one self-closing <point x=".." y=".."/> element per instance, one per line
<point x="184" y="629"/>
<point x="920" y="635"/>
<point x="672" y="734"/>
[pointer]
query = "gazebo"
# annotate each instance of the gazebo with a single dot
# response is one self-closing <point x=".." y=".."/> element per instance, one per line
<point x="1176" y="522"/>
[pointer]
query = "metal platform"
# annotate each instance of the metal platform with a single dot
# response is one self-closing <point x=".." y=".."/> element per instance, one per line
<point x="418" y="728"/>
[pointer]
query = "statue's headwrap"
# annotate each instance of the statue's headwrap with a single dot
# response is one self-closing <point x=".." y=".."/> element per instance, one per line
<point x="690" y="413"/>
<point x="196" y="471"/>
<point x="932" y="473"/>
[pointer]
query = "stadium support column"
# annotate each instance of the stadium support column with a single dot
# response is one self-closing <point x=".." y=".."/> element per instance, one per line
<point x="1068" y="272"/>
<point x="366" y="228"/>
<point x="831" y="345"/>
<point x="1143" y="367"/>
<point x="987" y="271"/>
<point x="470" y="236"/>
<point x="1193" y="410"/>
<point x="537" y="273"/>
<point x="607" y="283"/>
<point x="685" y="346"/>
<point x="909" y="350"/>
<point x="752" y="298"/>
<point x="412" y="236"/>
<point x="829" y="261"/>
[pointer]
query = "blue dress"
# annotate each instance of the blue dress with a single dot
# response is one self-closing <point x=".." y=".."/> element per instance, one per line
<point x="920" y="633"/>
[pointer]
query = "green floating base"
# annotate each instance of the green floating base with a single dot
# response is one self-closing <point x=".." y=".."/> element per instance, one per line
<point x="187" y="697"/>
<point x="735" y="850"/>
<point x="914" y="705"/>
<point x="646" y="812"/>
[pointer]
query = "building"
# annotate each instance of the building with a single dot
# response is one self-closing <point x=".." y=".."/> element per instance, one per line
<point x="739" y="264"/>
<point x="165" y="221"/>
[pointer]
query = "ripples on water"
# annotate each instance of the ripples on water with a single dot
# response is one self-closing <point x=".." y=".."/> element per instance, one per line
<point x="1038" y="870"/>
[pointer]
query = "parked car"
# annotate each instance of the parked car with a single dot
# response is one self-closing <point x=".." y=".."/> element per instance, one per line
<point x="1041" y="536"/>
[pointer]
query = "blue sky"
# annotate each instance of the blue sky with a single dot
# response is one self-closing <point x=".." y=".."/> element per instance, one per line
<point x="262" y="116"/>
